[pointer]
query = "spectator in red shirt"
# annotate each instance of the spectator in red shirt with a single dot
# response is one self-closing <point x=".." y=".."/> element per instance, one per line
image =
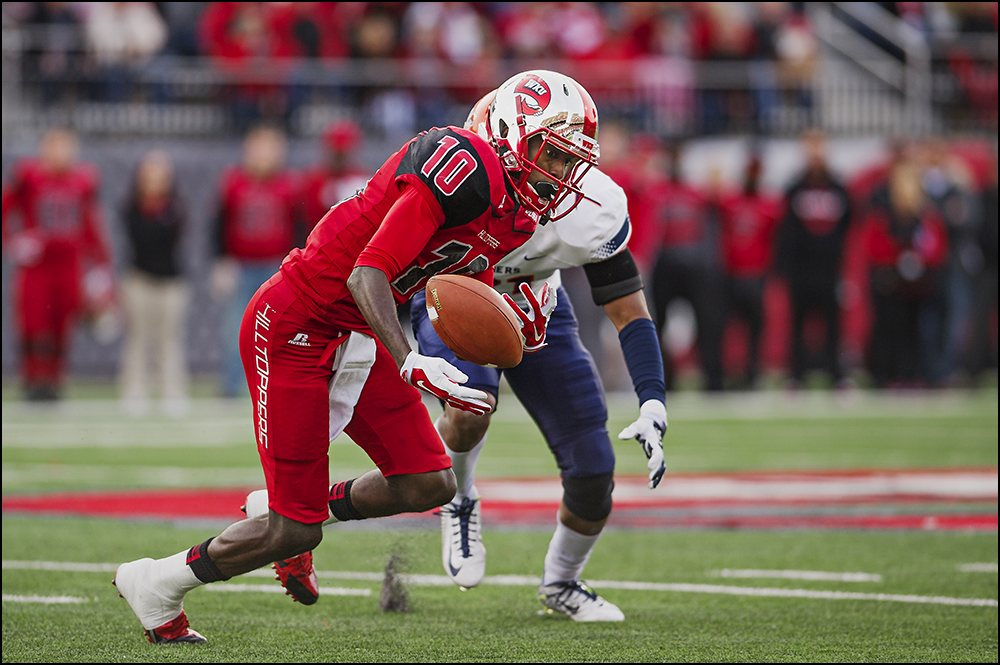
<point x="255" y="229"/>
<point x="245" y="36"/>
<point x="338" y="176"/>
<point x="749" y="222"/>
<point x="907" y="245"/>
<point x="60" y="239"/>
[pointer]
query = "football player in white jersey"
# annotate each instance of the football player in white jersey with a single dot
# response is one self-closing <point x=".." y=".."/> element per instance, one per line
<point x="558" y="384"/>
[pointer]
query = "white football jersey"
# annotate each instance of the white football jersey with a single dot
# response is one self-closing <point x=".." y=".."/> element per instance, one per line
<point x="595" y="230"/>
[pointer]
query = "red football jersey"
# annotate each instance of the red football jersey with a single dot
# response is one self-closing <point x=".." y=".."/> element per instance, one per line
<point x="749" y="223"/>
<point x="927" y="239"/>
<point x="258" y="216"/>
<point x="323" y="188"/>
<point x="677" y="213"/>
<point x="459" y="218"/>
<point x="60" y="208"/>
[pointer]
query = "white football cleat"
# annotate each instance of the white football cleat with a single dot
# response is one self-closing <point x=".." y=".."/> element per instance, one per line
<point x="159" y="607"/>
<point x="462" y="550"/>
<point x="578" y="601"/>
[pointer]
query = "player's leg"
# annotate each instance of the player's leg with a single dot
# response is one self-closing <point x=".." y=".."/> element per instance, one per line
<point x="64" y="309"/>
<point x="663" y="290"/>
<point x="831" y="350"/>
<point x="291" y="423"/>
<point x="561" y="389"/>
<point x="800" y="306"/>
<point x="747" y="301"/>
<point x="31" y="300"/>
<point x="173" y="366"/>
<point x="463" y="554"/>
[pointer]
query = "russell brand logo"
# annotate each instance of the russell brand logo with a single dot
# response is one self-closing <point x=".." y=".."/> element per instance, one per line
<point x="300" y="339"/>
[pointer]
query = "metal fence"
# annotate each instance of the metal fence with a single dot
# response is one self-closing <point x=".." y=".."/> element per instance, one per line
<point x="853" y="88"/>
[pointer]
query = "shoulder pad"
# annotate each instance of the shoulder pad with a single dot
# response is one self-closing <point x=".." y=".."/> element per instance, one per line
<point x="458" y="167"/>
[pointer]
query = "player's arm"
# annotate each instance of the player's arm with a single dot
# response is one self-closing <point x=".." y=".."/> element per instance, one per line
<point x="22" y="245"/>
<point x="406" y="229"/>
<point x="617" y="286"/>
<point x="11" y="204"/>
<point x="225" y="275"/>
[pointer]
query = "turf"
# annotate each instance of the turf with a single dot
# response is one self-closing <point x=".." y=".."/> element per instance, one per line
<point x="91" y="445"/>
<point x="501" y="623"/>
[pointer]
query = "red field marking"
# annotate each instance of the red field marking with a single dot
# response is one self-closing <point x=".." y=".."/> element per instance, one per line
<point x="167" y="504"/>
<point x="878" y="499"/>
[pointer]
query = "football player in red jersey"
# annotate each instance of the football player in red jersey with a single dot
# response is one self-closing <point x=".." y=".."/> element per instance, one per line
<point x="254" y="230"/>
<point x="750" y="220"/>
<point x="679" y="217"/>
<point x="59" y="239"/>
<point x="337" y="177"/>
<point x="324" y="351"/>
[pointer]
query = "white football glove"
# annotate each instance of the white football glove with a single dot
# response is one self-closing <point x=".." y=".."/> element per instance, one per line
<point x="535" y="321"/>
<point x="648" y="430"/>
<point x="441" y="379"/>
<point x="26" y="248"/>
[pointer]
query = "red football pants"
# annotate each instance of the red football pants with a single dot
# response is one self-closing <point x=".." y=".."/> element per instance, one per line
<point x="48" y="298"/>
<point x="288" y="355"/>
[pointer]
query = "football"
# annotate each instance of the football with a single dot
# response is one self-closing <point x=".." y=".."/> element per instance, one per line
<point x="474" y="321"/>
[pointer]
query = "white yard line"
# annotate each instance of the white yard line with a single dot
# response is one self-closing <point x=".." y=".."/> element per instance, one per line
<point x="977" y="568"/>
<point x="153" y="476"/>
<point x="519" y="580"/>
<point x="61" y="566"/>
<point x="47" y="600"/>
<point x="789" y="487"/>
<point x="792" y="593"/>
<point x="797" y="575"/>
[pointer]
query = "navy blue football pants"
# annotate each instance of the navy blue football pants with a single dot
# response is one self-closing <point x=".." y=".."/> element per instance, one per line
<point x="558" y="386"/>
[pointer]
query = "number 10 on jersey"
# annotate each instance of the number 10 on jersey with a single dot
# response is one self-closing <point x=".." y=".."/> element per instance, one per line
<point x="459" y="166"/>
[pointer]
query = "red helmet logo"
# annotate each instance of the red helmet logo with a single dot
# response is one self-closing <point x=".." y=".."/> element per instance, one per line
<point x="532" y="95"/>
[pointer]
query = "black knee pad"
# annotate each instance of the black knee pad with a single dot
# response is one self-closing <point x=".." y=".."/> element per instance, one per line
<point x="589" y="498"/>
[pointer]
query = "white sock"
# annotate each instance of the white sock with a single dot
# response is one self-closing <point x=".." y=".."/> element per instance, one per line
<point x="567" y="555"/>
<point x="169" y="579"/>
<point x="464" y="466"/>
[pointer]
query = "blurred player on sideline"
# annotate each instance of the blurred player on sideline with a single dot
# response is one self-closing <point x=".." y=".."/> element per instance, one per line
<point x="559" y="385"/>
<point x="810" y="255"/>
<point x="337" y="177"/>
<point x="254" y="230"/>
<point x="324" y="351"/>
<point x="61" y="253"/>
<point x="750" y="221"/>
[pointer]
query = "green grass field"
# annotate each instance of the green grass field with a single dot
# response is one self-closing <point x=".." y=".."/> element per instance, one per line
<point x="88" y="445"/>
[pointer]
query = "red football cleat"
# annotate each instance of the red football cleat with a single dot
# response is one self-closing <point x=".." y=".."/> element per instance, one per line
<point x="175" y="632"/>
<point x="298" y="577"/>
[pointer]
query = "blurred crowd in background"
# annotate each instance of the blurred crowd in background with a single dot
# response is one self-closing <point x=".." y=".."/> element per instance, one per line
<point x="884" y="275"/>
<point x="265" y="58"/>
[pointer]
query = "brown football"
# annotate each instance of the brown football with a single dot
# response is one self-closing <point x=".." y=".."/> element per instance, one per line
<point x="474" y="321"/>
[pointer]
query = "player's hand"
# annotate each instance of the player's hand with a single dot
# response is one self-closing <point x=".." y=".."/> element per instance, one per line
<point x="536" y="319"/>
<point x="224" y="279"/>
<point x="441" y="379"/>
<point x="26" y="248"/>
<point x="648" y="430"/>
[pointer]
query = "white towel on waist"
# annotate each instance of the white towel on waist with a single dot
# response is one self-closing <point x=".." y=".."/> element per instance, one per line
<point x="352" y="363"/>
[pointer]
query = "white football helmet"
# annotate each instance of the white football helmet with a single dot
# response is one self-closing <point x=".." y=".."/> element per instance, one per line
<point x="548" y="104"/>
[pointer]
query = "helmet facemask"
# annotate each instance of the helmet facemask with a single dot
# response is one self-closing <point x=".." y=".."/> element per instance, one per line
<point x="555" y="108"/>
